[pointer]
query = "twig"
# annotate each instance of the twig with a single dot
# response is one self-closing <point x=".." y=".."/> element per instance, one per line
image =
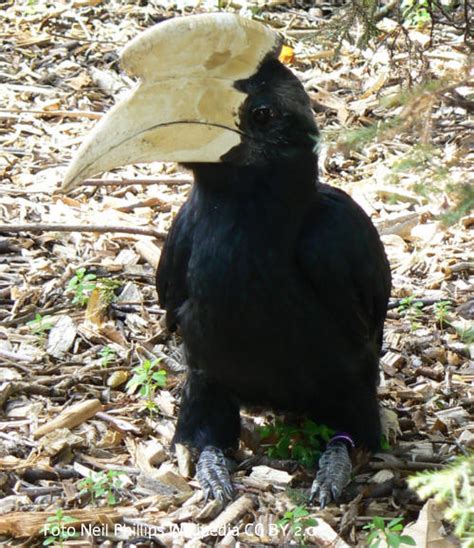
<point x="31" y="315"/>
<point x="70" y="417"/>
<point x="124" y="182"/>
<point x="88" y="40"/>
<point x="34" y="492"/>
<point x="405" y="465"/>
<point x="395" y="303"/>
<point x="467" y="266"/>
<point x="100" y="229"/>
<point x="8" y="355"/>
<point x="68" y="113"/>
<point x="385" y="10"/>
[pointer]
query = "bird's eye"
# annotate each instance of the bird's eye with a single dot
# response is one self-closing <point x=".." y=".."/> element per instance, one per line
<point x="262" y="115"/>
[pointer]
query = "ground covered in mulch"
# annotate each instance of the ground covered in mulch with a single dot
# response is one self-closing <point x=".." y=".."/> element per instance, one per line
<point x="81" y="330"/>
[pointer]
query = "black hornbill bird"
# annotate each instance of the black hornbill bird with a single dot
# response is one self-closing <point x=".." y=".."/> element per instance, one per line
<point x="278" y="283"/>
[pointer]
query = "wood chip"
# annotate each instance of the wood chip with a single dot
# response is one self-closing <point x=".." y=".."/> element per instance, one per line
<point x="70" y="417"/>
<point x="270" y="476"/>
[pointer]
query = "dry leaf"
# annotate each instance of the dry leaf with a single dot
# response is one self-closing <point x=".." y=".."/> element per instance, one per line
<point x="428" y="530"/>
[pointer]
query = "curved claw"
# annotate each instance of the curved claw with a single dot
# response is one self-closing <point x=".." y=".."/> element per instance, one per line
<point x="213" y="475"/>
<point x="334" y="474"/>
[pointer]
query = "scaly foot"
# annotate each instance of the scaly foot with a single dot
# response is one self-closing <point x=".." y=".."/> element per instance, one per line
<point x="334" y="472"/>
<point x="213" y="475"/>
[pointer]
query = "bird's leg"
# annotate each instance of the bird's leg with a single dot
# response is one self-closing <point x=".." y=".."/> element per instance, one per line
<point x="213" y="474"/>
<point x="209" y="421"/>
<point x="334" y="470"/>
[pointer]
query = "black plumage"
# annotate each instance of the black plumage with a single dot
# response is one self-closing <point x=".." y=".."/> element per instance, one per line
<point x="278" y="283"/>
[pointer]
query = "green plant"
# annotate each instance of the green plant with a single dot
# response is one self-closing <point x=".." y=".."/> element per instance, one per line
<point x="147" y="377"/>
<point x="302" y="443"/>
<point x="107" y="354"/>
<point x="82" y="285"/>
<point x="417" y="158"/>
<point x="463" y="196"/>
<point x="297" y="520"/>
<point x="56" y="529"/>
<point x="411" y="309"/>
<point x="102" y="485"/>
<point x="465" y="331"/>
<point x="107" y="288"/>
<point x="441" y="311"/>
<point x="416" y="12"/>
<point x="384" y="443"/>
<point x="40" y="326"/>
<point x="391" y="533"/>
<point x="356" y="139"/>
<point x="452" y="487"/>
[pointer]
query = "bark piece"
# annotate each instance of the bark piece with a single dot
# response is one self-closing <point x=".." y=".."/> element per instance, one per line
<point x="270" y="476"/>
<point x="71" y="417"/>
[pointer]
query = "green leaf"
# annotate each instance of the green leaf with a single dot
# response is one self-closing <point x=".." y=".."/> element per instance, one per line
<point x="372" y="536"/>
<point x="379" y="523"/>
<point x="160" y="377"/>
<point x="300" y="512"/>
<point x="393" y="540"/>
<point x="374" y="542"/>
<point x="407" y="539"/>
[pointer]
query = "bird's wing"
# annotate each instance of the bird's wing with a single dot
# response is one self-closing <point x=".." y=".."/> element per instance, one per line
<point x="342" y="257"/>
<point x="173" y="266"/>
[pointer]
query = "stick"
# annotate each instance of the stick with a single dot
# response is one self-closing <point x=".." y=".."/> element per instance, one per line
<point x="70" y="417"/>
<point x="149" y="251"/>
<point x="233" y="512"/>
<point x="68" y="113"/>
<point x="100" y="229"/>
<point x="7" y="354"/>
<point x="405" y="465"/>
<point x="123" y="182"/>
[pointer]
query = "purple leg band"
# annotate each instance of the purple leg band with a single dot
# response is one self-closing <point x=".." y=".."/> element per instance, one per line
<point x="343" y="436"/>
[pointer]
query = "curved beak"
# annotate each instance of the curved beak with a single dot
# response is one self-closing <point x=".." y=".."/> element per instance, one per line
<point x="185" y="107"/>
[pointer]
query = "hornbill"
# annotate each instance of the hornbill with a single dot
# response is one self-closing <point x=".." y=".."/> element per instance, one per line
<point x="278" y="283"/>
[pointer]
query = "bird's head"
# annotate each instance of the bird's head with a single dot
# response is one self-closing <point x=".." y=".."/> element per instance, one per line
<point x="276" y="119"/>
<point x="211" y="90"/>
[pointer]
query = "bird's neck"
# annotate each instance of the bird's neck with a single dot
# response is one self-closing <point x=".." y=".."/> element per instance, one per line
<point x="266" y="207"/>
<point x="292" y="183"/>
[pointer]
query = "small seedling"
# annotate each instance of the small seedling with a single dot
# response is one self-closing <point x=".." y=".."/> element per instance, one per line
<point x="297" y="520"/>
<point x="453" y="489"/>
<point x="147" y="377"/>
<point x="107" y="288"/>
<point x="391" y="533"/>
<point x="442" y="310"/>
<point x="416" y="12"/>
<point x="102" y="485"/>
<point x="82" y="285"/>
<point x="384" y="443"/>
<point x="301" y="443"/>
<point x="107" y="354"/>
<point x="411" y="309"/>
<point x="465" y="331"/>
<point x="40" y="326"/>
<point x="57" y="529"/>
